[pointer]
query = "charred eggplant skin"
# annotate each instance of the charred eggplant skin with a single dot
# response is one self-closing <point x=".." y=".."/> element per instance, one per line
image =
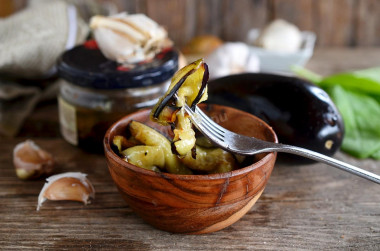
<point x="169" y="95"/>
<point x="300" y="113"/>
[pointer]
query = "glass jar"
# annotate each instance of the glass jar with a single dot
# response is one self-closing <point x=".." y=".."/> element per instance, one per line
<point x="95" y="92"/>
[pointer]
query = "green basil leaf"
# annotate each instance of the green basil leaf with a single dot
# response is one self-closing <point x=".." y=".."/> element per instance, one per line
<point x="361" y="116"/>
<point x="376" y="155"/>
<point x="367" y="81"/>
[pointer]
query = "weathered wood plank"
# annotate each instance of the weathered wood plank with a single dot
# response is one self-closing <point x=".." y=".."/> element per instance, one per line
<point x="335" y="22"/>
<point x="206" y="17"/>
<point x="130" y="6"/>
<point x="170" y="14"/>
<point x="327" y="61"/>
<point x="368" y="23"/>
<point x="297" y="12"/>
<point x="241" y="16"/>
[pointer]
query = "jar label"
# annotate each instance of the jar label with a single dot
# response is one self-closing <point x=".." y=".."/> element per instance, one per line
<point x="68" y="121"/>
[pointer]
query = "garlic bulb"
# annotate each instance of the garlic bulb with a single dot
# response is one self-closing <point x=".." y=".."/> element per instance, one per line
<point x="232" y="58"/>
<point x="129" y="38"/>
<point x="31" y="161"/>
<point x="280" y="36"/>
<point x="67" y="186"/>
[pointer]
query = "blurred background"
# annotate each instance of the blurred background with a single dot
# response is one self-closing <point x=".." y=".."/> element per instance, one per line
<point x="349" y="23"/>
<point x="320" y="37"/>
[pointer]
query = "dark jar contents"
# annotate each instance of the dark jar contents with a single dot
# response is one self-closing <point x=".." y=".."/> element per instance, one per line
<point x="95" y="92"/>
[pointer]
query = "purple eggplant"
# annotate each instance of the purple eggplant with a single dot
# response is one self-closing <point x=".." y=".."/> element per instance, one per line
<point x="300" y="113"/>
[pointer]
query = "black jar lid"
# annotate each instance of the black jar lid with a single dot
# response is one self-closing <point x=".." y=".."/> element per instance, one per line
<point x="86" y="66"/>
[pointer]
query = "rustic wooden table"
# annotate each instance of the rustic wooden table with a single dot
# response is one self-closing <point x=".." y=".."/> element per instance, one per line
<point x="303" y="206"/>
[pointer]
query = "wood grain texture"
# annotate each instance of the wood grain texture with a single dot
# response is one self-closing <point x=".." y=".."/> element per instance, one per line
<point x="368" y="23"/>
<point x="241" y="16"/>
<point x="336" y="23"/>
<point x="207" y="16"/>
<point x="326" y="61"/>
<point x="304" y="207"/>
<point x="300" y="13"/>
<point x="192" y="204"/>
<point x="171" y="14"/>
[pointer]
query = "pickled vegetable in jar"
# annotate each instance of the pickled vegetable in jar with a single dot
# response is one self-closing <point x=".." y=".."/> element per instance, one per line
<point x="95" y="92"/>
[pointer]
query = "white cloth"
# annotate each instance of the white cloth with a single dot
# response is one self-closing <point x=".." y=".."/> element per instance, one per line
<point x="30" y="43"/>
<point x="32" y="39"/>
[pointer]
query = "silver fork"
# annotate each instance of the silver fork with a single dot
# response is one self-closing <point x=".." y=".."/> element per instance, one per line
<point x="245" y="145"/>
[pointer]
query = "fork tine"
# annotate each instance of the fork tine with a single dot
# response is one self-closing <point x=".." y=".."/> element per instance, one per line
<point x="205" y="124"/>
<point x="212" y="130"/>
<point x="207" y="130"/>
<point x="211" y="126"/>
<point x="205" y="127"/>
<point x="209" y="120"/>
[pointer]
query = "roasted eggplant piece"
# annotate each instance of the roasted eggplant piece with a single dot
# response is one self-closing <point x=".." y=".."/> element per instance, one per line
<point x="300" y="113"/>
<point x="150" y="137"/>
<point x="210" y="160"/>
<point x="189" y="85"/>
<point x="149" y="149"/>
<point x="148" y="157"/>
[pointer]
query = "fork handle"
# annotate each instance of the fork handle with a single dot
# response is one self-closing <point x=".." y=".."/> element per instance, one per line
<point x="328" y="160"/>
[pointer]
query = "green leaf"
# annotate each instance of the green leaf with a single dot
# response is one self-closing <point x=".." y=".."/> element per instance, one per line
<point x="361" y="116"/>
<point x="376" y="155"/>
<point x="367" y="81"/>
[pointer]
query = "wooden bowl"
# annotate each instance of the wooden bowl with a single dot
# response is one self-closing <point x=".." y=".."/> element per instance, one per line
<point x="193" y="204"/>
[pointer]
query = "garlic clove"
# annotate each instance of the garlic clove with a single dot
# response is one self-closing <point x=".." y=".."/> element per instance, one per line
<point x="118" y="25"/>
<point x="72" y="186"/>
<point x="280" y="36"/>
<point x="129" y="39"/>
<point x="232" y="58"/>
<point x="31" y="161"/>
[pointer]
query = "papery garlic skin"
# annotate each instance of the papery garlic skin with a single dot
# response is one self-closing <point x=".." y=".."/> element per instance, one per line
<point x="280" y="36"/>
<point x="31" y="161"/>
<point x="129" y="39"/>
<point x="67" y="186"/>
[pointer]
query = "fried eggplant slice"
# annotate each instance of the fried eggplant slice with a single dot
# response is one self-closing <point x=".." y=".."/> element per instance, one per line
<point x="147" y="157"/>
<point x="210" y="160"/>
<point x="189" y="84"/>
<point x="150" y="137"/>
